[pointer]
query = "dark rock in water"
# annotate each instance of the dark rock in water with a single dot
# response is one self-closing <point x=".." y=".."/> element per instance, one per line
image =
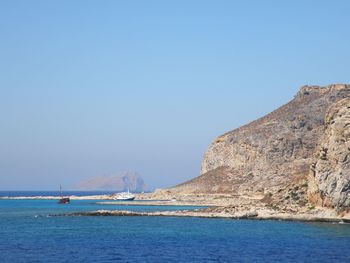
<point x="106" y="213"/>
<point x="120" y="182"/>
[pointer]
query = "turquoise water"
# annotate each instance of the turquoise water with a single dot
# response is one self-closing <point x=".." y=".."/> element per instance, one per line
<point x="29" y="234"/>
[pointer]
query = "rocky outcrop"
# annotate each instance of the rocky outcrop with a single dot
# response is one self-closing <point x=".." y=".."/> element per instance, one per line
<point x="225" y="212"/>
<point x="121" y="182"/>
<point x="272" y="155"/>
<point x="329" y="181"/>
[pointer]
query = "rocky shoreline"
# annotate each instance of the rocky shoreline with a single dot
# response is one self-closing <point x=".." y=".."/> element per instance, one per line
<point x="206" y="214"/>
<point x="214" y="206"/>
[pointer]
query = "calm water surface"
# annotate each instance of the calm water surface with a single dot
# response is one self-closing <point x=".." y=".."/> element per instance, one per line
<point x="29" y="234"/>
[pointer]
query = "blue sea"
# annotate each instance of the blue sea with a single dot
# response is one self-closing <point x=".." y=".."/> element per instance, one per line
<point x="29" y="233"/>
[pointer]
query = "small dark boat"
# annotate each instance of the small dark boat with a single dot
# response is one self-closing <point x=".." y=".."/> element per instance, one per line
<point x="63" y="200"/>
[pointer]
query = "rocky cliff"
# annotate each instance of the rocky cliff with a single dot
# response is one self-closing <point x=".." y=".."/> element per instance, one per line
<point x="271" y="157"/>
<point x="329" y="180"/>
<point x="120" y="182"/>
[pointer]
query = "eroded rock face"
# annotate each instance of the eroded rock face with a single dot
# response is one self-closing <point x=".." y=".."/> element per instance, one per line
<point x="329" y="181"/>
<point x="271" y="153"/>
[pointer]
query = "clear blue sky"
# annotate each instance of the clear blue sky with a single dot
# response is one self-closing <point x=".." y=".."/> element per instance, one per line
<point x="98" y="87"/>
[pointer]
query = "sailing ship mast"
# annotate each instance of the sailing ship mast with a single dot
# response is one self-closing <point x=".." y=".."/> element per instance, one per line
<point x="63" y="200"/>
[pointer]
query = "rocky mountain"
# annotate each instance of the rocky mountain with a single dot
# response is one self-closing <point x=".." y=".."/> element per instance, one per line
<point x="120" y="182"/>
<point x="271" y="157"/>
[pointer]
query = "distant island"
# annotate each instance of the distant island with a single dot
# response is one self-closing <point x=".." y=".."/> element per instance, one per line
<point x="120" y="182"/>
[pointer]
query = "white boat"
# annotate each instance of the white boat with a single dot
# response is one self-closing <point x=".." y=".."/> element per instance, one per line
<point x="124" y="196"/>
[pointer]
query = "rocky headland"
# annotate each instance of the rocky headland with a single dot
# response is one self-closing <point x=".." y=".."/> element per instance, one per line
<point x="295" y="160"/>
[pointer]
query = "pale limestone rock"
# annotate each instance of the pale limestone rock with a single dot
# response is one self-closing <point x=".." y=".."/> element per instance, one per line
<point x="330" y="172"/>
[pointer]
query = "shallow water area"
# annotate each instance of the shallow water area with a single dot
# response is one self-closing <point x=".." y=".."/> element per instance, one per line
<point x="29" y="234"/>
